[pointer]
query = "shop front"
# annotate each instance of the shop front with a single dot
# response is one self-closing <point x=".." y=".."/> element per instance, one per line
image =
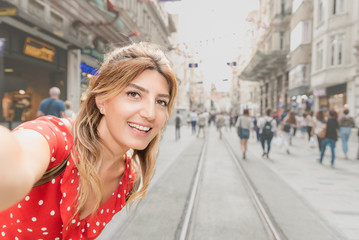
<point x="30" y="67"/>
<point x="333" y="97"/>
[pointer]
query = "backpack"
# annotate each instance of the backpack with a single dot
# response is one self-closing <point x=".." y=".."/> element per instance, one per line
<point x="267" y="129"/>
<point x="286" y="127"/>
<point x="178" y="120"/>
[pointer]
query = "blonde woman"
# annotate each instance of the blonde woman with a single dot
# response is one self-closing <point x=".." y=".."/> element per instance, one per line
<point x="112" y="147"/>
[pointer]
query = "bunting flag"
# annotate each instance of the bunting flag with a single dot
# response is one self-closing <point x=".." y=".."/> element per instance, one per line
<point x="193" y="65"/>
<point x="111" y="7"/>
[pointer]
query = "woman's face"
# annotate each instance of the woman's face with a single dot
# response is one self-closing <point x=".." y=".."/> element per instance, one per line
<point x="137" y="114"/>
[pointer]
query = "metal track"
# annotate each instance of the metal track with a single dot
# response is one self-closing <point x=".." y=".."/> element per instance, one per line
<point x="192" y="197"/>
<point x="268" y="223"/>
<point x="264" y="215"/>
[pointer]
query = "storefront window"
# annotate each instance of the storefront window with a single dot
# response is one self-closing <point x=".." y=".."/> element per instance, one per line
<point x="337" y="102"/>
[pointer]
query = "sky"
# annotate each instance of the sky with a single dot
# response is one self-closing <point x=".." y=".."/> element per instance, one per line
<point x="213" y="30"/>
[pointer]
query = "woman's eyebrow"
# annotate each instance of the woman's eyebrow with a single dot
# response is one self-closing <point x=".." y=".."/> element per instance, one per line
<point x="146" y="90"/>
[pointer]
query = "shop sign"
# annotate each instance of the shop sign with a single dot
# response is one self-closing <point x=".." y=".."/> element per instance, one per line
<point x="319" y="92"/>
<point x="8" y="11"/>
<point x="299" y="76"/>
<point x="2" y="46"/>
<point x="37" y="49"/>
<point x="87" y="69"/>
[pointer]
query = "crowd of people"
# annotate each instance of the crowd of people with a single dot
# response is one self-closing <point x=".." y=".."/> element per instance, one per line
<point x="322" y="129"/>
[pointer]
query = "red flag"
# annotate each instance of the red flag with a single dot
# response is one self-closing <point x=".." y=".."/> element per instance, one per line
<point x="111" y="7"/>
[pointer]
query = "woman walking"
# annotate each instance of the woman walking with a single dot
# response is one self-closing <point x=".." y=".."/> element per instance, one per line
<point x="319" y="124"/>
<point x="288" y="126"/>
<point x="345" y="127"/>
<point x="267" y="126"/>
<point x="245" y="123"/>
<point x="331" y="135"/>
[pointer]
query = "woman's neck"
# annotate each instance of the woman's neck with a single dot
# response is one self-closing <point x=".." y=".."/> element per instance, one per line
<point x="111" y="150"/>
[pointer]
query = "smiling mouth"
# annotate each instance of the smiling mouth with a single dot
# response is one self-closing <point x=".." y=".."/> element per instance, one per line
<point x="139" y="127"/>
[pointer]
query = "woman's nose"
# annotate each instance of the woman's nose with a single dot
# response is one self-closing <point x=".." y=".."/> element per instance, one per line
<point x="148" y="111"/>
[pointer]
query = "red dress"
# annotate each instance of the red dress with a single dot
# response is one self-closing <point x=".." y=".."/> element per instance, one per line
<point x="46" y="211"/>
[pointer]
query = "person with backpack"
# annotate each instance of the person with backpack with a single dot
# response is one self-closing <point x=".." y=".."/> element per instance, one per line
<point x="267" y="129"/>
<point x="178" y="122"/>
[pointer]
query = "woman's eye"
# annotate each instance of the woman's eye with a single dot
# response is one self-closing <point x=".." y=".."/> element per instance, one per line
<point x="162" y="103"/>
<point x="133" y="94"/>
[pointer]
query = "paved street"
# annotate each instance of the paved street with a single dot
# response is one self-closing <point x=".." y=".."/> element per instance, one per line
<point x="306" y="200"/>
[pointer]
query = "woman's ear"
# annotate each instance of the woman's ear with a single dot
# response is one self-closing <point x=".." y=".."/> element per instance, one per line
<point x="100" y="104"/>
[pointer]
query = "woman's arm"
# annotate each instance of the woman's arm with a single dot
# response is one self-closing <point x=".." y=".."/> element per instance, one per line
<point x="24" y="158"/>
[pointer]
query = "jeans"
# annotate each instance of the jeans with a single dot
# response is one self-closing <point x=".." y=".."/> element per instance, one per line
<point x="178" y="132"/>
<point x="268" y="139"/>
<point x="194" y="123"/>
<point x="344" y="133"/>
<point x="331" y="143"/>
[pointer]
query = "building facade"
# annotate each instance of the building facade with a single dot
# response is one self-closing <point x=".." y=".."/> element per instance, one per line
<point x="300" y="95"/>
<point x="334" y="75"/>
<point x="268" y="61"/>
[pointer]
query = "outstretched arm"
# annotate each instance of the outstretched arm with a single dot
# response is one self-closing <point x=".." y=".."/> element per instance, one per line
<point x="24" y="158"/>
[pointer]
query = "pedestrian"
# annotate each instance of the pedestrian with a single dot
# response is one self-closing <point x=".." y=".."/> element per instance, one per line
<point x="357" y="126"/>
<point x="109" y="152"/>
<point x="193" y="117"/>
<point x="52" y="105"/>
<point x="309" y="123"/>
<point x="288" y="125"/>
<point x="331" y="136"/>
<point x="219" y="124"/>
<point x="245" y="123"/>
<point x="201" y="124"/>
<point x="267" y="129"/>
<point x="227" y="120"/>
<point x="69" y="113"/>
<point x="178" y="122"/>
<point x="346" y="124"/>
<point x="256" y="127"/>
<point x="302" y="124"/>
<point x="319" y="124"/>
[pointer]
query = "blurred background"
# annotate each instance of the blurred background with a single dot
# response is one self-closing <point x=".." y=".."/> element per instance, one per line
<point x="228" y="55"/>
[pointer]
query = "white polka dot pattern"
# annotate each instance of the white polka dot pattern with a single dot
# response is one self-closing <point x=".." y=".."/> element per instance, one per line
<point x="26" y="219"/>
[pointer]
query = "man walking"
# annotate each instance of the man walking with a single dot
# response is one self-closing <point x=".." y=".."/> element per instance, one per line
<point x="178" y="122"/>
<point x="52" y="105"/>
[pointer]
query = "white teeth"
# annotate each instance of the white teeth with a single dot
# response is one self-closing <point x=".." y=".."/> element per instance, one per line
<point x="139" y="127"/>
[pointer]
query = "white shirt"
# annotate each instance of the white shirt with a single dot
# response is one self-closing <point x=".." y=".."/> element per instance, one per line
<point x="265" y="119"/>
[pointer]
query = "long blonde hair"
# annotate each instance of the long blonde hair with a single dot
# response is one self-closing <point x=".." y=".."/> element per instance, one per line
<point x="120" y="67"/>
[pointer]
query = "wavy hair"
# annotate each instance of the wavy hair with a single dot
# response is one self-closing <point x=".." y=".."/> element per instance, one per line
<point x="120" y="67"/>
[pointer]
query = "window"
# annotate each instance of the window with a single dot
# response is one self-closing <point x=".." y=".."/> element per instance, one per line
<point x="338" y="6"/>
<point x="281" y="39"/>
<point x="301" y="34"/>
<point x="282" y="7"/>
<point x="320" y="12"/>
<point x="336" y="50"/>
<point x="319" y="55"/>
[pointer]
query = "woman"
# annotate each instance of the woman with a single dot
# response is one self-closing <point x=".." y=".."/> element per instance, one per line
<point x="267" y="129"/>
<point x="331" y="135"/>
<point x="288" y="126"/>
<point x="113" y="141"/>
<point x="245" y="123"/>
<point x="345" y="128"/>
<point x="319" y="124"/>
